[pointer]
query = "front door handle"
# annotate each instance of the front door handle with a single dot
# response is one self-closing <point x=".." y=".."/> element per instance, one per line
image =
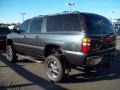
<point x="37" y="37"/>
<point x="24" y="36"/>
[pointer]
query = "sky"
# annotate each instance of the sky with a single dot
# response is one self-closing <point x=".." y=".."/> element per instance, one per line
<point x="10" y="10"/>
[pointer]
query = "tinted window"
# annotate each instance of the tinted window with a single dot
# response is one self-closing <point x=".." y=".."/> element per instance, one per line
<point x="36" y="26"/>
<point x="58" y="23"/>
<point x="24" y="26"/>
<point x="98" y="24"/>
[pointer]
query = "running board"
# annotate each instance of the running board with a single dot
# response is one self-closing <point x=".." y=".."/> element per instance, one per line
<point x="30" y="58"/>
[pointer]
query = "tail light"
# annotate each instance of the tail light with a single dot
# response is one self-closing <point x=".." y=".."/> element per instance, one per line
<point x="86" y="47"/>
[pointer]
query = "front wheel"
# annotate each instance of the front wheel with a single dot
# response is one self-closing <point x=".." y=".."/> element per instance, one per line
<point x="54" y="68"/>
<point x="10" y="53"/>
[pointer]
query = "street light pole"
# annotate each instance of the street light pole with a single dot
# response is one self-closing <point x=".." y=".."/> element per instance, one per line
<point x="70" y="4"/>
<point x="23" y="14"/>
<point x="113" y="14"/>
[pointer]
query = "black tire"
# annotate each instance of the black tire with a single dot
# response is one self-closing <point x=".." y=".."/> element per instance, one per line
<point x="11" y="53"/>
<point x="54" y="68"/>
<point x="108" y="64"/>
<point x="88" y="69"/>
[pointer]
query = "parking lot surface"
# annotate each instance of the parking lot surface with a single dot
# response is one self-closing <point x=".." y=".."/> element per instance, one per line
<point x="28" y="75"/>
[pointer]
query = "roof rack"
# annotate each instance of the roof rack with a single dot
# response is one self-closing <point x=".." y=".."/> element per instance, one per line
<point x="70" y="12"/>
<point x="64" y="12"/>
<point x="38" y="16"/>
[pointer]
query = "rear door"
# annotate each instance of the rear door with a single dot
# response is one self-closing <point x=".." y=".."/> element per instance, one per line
<point x="101" y="32"/>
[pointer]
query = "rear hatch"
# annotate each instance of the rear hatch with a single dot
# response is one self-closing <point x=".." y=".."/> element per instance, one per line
<point x="102" y="42"/>
<point x="101" y="33"/>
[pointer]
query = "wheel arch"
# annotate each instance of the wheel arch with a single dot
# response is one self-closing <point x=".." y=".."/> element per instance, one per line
<point x="49" y="47"/>
<point x="9" y="42"/>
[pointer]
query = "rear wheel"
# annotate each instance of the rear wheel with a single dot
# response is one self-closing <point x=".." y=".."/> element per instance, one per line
<point x="11" y="53"/>
<point x="88" y="69"/>
<point x="107" y="64"/>
<point x="54" y="68"/>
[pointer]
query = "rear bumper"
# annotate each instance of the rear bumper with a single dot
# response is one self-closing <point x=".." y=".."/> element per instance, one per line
<point x="100" y="59"/>
<point x="88" y="60"/>
<point x="75" y="58"/>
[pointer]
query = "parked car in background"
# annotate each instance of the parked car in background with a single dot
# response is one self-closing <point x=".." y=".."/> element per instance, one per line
<point x="116" y="25"/>
<point x="3" y="34"/>
<point x="64" y="40"/>
<point x="117" y="32"/>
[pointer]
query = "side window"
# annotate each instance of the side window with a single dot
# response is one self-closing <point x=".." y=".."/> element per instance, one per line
<point x="36" y="26"/>
<point x="24" y="26"/>
<point x="59" y="23"/>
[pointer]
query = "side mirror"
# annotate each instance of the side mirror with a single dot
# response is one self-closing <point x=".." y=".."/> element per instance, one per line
<point x="16" y="30"/>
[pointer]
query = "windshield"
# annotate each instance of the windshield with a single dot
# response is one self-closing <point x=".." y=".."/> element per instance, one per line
<point x="97" y="24"/>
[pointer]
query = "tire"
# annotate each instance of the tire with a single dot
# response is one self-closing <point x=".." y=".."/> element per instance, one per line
<point x="88" y="69"/>
<point x="54" y="68"/>
<point x="11" y="53"/>
<point x="108" y="64"/>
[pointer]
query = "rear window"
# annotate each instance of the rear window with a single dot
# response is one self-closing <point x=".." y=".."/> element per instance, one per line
<point x="98" y="25"/>
<point x="60" y="23"/>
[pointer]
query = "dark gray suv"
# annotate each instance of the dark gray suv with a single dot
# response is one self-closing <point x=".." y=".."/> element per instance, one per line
<point x="64" y="40"/>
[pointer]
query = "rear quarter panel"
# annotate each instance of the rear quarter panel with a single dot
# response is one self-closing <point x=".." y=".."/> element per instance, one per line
<point x="69" y="42"/>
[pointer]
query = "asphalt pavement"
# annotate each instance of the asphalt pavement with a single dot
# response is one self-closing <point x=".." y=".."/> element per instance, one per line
<point x="29" y="75"/>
